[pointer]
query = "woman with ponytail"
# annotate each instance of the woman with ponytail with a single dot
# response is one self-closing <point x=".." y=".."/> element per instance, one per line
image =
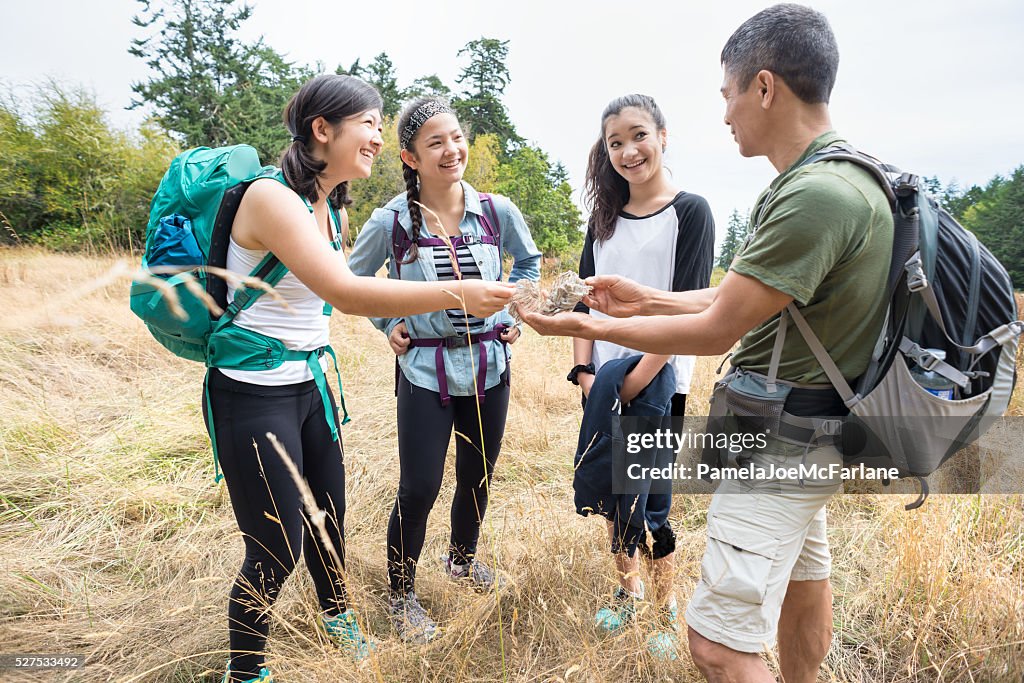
<point x="335" y="123"/>
<point x="452" y="366"/>
<point x="645" y="228"/>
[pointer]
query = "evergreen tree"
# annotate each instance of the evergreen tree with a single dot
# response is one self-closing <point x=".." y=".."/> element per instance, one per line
<point x="380" y="74"/>
<point x="208" y="86"/>
<point x="997" y="218"/>
<point x="428" y="85"/>
<point x="735" y="234"/>
<point x="484" y="79"/>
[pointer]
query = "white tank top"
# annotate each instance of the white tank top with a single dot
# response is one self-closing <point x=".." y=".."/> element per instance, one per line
<point x="303" y="328"/>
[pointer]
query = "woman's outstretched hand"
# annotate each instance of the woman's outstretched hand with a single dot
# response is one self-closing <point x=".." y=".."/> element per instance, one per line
<point x="482" y="298"/>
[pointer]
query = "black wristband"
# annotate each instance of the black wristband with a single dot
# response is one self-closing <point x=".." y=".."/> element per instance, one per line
<point x="573" y="375"/>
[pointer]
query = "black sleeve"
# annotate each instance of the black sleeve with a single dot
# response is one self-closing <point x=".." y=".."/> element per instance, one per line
<point x="587" y="267"/>
<point x="695" y="246"/>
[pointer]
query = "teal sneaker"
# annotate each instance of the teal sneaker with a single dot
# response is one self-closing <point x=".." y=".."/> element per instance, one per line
<point x="344" y="630"/>
<point x="615" y="616"/>
<point x="264" y="676"/>
<point x="664" y="642"/>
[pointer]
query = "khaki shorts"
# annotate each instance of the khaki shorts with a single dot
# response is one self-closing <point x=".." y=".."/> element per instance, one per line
<point x="762" y="534"/>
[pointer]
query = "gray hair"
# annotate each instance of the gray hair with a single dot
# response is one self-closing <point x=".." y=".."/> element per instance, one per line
<point x="793" y="42"/>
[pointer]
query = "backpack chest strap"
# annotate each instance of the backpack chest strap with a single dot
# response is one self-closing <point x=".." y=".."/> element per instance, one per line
<point x="456" y="241"/>
<point x="400" y="240"/>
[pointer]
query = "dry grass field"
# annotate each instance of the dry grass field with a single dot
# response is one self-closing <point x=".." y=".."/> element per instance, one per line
<point x="116" y="545"/>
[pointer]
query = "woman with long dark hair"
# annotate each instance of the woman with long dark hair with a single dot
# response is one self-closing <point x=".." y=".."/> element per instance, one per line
<point x="335" y="123"/>
<point x="453" y="367"/>
<point x="645" y="228"/>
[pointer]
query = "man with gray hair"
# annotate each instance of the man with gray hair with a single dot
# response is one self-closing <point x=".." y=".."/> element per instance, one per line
<point x="822" y="239"/>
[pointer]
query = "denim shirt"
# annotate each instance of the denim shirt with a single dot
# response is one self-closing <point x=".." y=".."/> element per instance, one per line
<point x="374" y="246"/>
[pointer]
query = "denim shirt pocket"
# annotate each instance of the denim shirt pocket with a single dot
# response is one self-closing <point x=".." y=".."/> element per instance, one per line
<point x="486" y="256"/>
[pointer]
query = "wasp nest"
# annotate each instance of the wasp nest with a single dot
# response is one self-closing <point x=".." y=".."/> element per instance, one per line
<point x="566" y="291"/>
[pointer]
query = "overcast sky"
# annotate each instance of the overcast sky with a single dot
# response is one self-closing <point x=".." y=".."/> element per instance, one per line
<point x="936" y="87"/>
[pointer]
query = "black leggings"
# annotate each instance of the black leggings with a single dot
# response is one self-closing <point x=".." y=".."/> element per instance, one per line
<point x="263" y="492"/>
<point x="424" y="430"/>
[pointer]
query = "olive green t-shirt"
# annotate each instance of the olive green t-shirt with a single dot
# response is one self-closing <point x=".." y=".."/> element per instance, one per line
<point x="825" y="238"/>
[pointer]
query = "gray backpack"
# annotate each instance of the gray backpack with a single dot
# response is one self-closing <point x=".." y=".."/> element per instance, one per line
<point x="944" y="362"/>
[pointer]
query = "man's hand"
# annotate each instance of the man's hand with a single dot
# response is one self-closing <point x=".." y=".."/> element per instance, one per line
<point x="618" y="296"/>
<point x="561" y="324"/>
<point x="399" y="339"/>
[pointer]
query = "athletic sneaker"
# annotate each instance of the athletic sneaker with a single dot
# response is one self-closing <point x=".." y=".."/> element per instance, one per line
<point x="411" y="620"/>
<point x="344" y="630"/>
<point x="264" y="676"/>
<point x="664" y="642"/>
<point x="620" y="612"/>
<point x="477" y="574"/>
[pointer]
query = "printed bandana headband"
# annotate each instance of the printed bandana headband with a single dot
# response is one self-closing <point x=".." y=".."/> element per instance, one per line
<point x="419" y="117"/>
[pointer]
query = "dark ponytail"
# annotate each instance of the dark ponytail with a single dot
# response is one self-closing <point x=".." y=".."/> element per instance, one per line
<point x="605" y="191"/>
<point x="414" y="115"/>
<point x="335" y="98"/>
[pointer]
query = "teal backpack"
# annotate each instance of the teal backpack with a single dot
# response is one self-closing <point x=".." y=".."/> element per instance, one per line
<point x="189" y="229"/>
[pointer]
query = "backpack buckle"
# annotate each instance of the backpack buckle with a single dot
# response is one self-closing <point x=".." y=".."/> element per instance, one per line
<point x="831" y="427"/>
<point x="916" y="279"/>
<point x="906" y="185"/>
<point x="926" y="361"/>
<point x="456" y="342"/>
<point x="469" y="239"/>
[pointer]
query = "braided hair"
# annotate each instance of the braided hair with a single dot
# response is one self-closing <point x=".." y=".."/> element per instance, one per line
<point x="335" y="98"/>
<point x="412" y="118"/>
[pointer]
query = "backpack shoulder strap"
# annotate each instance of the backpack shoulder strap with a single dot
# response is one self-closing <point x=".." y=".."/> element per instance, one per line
<point x="491" y="224"/>
<point x="845" y="152"/>
<point x="270" y="270"/>
<point x="880" y="171"/>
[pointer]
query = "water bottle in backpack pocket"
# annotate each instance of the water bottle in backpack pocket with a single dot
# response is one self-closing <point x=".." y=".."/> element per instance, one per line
<point x="933" y="382"/>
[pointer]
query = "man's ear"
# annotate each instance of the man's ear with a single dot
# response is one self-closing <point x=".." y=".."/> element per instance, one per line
<point x="409" y="158"/>
<point x="766" y="84"/>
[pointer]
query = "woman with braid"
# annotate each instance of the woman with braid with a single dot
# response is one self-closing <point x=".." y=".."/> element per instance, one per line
<point x="294" y="214"/>
<point x="452" y="366"/>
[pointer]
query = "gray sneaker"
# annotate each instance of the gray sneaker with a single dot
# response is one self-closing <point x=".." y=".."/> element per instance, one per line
<point x="411" y="621"/>
<point x="477" y="574"/>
